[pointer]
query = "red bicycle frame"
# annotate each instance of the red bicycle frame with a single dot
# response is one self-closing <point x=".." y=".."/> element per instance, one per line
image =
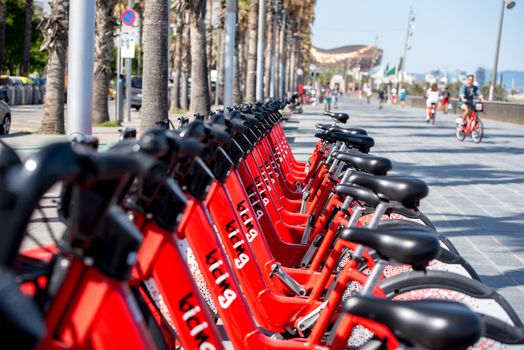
<point x="92" y="310"/>
<point x="177" y="299"/>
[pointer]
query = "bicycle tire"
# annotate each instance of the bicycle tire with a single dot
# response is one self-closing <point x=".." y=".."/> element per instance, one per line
<point x="448" y="260"/>
<point x="478" y="131"/>
<point x="445" y="242"/>
<point x="448" y="285"/>
<point x="460" y="134"/>
<point x="410" y="214"/>
<point x="495" y="335"/>
<point x="501" y="332"/>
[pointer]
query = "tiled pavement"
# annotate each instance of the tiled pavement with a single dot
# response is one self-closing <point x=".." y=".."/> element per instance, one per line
<point x="476" y="190"/>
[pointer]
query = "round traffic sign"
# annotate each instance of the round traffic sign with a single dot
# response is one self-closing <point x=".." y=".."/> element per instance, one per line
<point x="128" y="17"/>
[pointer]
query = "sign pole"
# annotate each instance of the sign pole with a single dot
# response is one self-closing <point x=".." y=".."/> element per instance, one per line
<point x="129" y="67"/>
<point x="117" y="80"/>
<point x="80" y="68"/>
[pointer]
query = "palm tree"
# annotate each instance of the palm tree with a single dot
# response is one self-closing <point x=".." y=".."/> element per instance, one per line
<point x="252" y="51"/>
<point x="209" y="42"/>
<point x="177" y="55"/>
<point x="200" y="99"/>
<point x="3" y="15"/>
<point x="155" y="75"/>
<point x="186" y="62"/>
<point x="270" y="46"/>
<point x="219" y="88"/>
<point x="239" y="64"/>
<point x="28" y="28"/>
<point x="54" y="27"/>
<point x="105" y="26"/>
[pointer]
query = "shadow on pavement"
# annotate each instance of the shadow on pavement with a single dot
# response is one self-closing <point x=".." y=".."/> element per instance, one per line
<point x="450" y="175"/>
<point x="507" y="228"/>
<point x="510" y="278"/>
<point x="15" y="134"/>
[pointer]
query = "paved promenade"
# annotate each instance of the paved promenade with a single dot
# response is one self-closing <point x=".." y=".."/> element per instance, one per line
<point x="476" y="190"/>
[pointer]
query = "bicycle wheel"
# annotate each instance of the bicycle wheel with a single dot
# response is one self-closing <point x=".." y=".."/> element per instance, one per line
<point x="460" y="134"/>
<point x="416" y="216"/>
<point x="398" y="218"/>
<point x="478" y="131"/>
<point x="502" y="329"/>
<point x="451" y="286"/>
<point x="496" y="335"/>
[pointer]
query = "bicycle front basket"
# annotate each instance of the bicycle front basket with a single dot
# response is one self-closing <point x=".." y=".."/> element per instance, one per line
<point x="479" y="107"/>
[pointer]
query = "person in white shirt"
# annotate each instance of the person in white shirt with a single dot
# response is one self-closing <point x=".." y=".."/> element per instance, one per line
<point x="432" y="96"/>
<point x="394" y="95"/>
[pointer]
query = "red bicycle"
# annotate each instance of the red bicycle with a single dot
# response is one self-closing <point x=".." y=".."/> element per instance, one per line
<point x="473" y="127"/>
<point x="431" y="114"/>
<point x="230" y="189"/>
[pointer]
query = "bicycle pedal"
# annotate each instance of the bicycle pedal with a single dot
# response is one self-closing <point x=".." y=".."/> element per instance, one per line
<point x="306" y="260"/>
<point x="276" y="270"/>
<point x="308" y="321"/>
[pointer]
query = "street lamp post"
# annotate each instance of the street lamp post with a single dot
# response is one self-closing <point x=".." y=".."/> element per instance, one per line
<point x="80" y="68"/>
<point x="509" y="4"/>
<point x="409" y="32"/>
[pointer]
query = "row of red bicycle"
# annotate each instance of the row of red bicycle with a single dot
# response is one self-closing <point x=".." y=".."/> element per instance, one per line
<point x="215" y="236"/>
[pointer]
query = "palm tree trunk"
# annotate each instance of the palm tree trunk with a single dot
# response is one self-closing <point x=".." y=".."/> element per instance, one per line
<point x="209" y="42"/>
<point x="251" y="77"/>
<point x="290" y="61"/>
<point x="219" y="94"/>
<point x="105" y="25"/>
<point x="270" y="48"/>
<point x="28" y="28"/>
<point x="3" y="15"/>
<point x="155" y="77"/>
<point x="177" y="62"/>
<point x="237" y="95"/>
<point x="200" y="100"/>
<point x="186" y="63"/>
<point x="277" y="56"/>
<point x="54" y="27"/>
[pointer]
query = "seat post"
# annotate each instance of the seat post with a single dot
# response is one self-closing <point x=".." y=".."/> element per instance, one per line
<point x="374" y="278"/>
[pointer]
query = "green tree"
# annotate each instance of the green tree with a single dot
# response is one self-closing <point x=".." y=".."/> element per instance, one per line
<point x="28" y="31"/>
<point x="15" y="38"/>
<point x="3" y="17"/>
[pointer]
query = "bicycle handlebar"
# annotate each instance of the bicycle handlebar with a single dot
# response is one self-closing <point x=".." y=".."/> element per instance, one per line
<point x="72" y="164"/>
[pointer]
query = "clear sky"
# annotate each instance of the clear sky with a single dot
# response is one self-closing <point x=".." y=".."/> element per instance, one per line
<point x="452" y="34"/>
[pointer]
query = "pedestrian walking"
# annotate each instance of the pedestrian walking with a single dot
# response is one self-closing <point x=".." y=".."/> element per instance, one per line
<point x="334" y="97"/>
<point x="402" y="97"/>
<point x="445" y="100"/>
<point x="393" y="95"/>
<point x="381" y="98"/>
<point x="327" y="99"/>
<point x="367" y="91"/>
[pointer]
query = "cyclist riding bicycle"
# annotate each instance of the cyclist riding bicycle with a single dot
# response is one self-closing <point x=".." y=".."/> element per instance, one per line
<point x="467" y="94"/>
<point x="432" y="98"/>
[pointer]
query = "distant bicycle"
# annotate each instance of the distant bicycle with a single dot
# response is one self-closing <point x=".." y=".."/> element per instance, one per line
<point x="474" y="127"/>
<point x="431" y="114"/>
